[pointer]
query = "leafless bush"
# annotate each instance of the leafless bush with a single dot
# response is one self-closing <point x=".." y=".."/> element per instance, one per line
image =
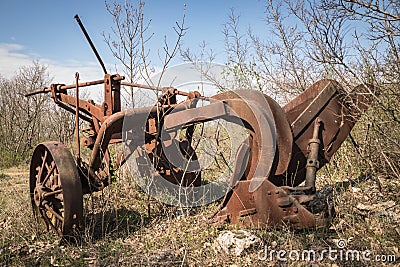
<point x="353" y="42"/>
<point x="26" y="121"/>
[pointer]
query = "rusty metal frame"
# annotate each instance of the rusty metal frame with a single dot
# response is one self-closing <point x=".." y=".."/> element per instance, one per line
<point x="301" y="138"/>
<point x="285" y="147"/>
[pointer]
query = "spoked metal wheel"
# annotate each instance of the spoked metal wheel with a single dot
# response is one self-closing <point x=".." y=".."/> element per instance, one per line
<point x="55" y="189"/>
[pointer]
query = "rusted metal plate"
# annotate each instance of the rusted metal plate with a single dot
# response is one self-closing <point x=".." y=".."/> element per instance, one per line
<point x="353" y="105"/>
<point x="267" y="206"/>
<point x="271" y="205"/>
<point x="263" y="139"/>
<point x="277" y="116"/>
<point x="284" y="137"/>
<point x="326" y="100"/>
<point x="316" y="98"/>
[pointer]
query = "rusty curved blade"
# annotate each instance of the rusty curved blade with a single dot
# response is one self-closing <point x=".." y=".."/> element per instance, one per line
<point x="337" y="110"/>
<point x="284" y="136"/>
<point x="258" y="115"/>
<point x="284" y="140"/>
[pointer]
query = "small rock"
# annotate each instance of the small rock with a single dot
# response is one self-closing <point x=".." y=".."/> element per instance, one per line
<point x="356" y="189"/>
<point x="361" y="206"/>
<point x="383" y="205"/>
<point x="235" y="243"/>
<point x="206" y="244"/>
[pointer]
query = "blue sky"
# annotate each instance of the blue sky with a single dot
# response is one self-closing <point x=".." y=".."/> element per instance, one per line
<point x="46" y="31"/>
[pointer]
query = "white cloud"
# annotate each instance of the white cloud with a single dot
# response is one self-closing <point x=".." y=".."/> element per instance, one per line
<point x="185" y="77"/>
<point x="14" y="56"/>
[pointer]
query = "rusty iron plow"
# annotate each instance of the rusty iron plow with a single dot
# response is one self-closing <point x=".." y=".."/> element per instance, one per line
<point x="273" y="180"/>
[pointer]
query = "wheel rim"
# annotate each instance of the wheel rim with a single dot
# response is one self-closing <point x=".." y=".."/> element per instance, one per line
<point x="55" y="189"/>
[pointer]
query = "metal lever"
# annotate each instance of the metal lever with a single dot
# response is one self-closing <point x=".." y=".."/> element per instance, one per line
<point x="90" y="42"/>
<point x="78" y="147"/>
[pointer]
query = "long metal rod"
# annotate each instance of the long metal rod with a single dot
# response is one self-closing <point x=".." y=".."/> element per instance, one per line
<point x="72" y="86"/>
<point x="78" y="148"/>
<point x="64" y="87"/>
<point x="69" y="109"/>
<point x="161" y="89"/>
<point x="138" y="85"/>
<point x="90" y="42"/>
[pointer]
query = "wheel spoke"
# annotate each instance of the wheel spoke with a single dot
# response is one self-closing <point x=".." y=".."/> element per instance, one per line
<point x="52" y="193"/>
<point x="47" y="220"/>
<point x="48" y="168"/>
<point x="56" y="178"/>
<point x="49" y="173"/>
<point x="42" y="167"/>
<point x="58" y="216"/>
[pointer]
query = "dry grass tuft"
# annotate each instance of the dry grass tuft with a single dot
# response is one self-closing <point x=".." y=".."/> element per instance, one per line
<point x="119" y="231"/>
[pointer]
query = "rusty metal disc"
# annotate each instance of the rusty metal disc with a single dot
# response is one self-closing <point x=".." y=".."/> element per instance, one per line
<point x="55" y="188"/>
<point x="271" y="109"/>
<point x="284" y="136"/>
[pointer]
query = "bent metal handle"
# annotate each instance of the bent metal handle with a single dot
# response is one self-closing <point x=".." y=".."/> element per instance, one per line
<point x="90" y="43"/>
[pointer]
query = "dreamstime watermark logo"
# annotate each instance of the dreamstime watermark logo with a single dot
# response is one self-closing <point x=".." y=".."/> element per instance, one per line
<point x="340" y="253"/>
<point x="239" y="114"/>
